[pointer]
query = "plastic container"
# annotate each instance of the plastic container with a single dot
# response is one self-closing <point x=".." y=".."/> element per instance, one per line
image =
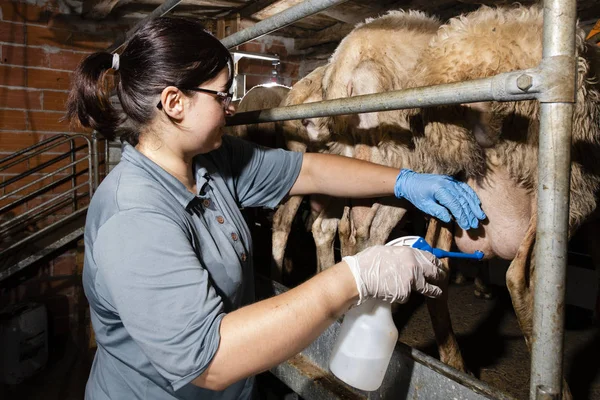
<point x="364" y="346"/>
<point x="367" y="337"/>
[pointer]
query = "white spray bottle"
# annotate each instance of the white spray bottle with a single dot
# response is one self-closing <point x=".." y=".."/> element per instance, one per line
<point x="368" y="335"/>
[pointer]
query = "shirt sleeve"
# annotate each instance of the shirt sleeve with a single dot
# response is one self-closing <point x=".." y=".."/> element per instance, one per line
<point x="161" y="292"/>
<point x="261" y="176"/>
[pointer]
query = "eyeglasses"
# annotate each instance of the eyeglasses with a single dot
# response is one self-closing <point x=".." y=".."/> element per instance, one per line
<point x="224" y="97"/>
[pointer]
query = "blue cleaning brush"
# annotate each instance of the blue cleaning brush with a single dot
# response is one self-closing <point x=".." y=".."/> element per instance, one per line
<point x="418" y="242"/>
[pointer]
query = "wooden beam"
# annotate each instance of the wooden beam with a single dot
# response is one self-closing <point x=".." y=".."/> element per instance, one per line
<point x="344" y="16"/>
<point x="255" y="7"/>
<point x="97" y="9"/>
<point x="334" y="33"/>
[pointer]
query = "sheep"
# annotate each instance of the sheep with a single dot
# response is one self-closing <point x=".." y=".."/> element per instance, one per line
<point x="310" y="135"/>
<point x="378" y="55"/>
<point x="381" y="55"/>
<point x="493" y="145"/>
<point x="258" y="98"/>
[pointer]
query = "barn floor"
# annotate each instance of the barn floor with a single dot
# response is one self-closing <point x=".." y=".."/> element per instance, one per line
<point x="492" y="345"/>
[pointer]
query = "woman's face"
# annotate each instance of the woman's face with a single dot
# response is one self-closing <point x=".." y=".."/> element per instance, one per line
<point x="205" y="115"/>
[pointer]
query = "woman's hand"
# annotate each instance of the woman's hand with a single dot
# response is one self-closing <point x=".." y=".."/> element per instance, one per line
<point x="438" y="194"/>
<point x="390" y="273"/>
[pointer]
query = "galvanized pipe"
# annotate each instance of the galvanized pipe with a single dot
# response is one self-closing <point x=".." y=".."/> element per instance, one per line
<point x="502" y="87"/>
<point x="556" y="119"/>
<point x="38" y="209"/>
<point x="73" y="173"/>
<point x="94" y="164"/>
<point x="291" y="15"/>
<point x="72" y="165"/>
<point x="157" y="12"/>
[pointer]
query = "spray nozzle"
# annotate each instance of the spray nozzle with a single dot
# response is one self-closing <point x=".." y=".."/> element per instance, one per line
<point x="418" y="242"/>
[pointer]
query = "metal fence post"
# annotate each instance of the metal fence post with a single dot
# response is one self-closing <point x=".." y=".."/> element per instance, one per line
<point x="556" y="119"/>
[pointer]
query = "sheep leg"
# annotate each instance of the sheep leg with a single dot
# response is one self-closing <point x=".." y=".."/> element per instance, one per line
<point x="520" y="279"/>
<point x="385" y="220"/>
<point x="324" y="229"/>
<point x="282" y="225"/>
<point x="440" y="236"/>
<point x="347" y="243"/>
<point x="318" y="203"/>
<point x="362" y="219"/>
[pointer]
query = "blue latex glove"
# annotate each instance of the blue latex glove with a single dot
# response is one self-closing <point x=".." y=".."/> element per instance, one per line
<point x="438" y="194"/>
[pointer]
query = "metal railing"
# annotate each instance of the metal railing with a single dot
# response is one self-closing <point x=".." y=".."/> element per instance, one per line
<point x="41" y="183"/>
<point x="553" y="84"/>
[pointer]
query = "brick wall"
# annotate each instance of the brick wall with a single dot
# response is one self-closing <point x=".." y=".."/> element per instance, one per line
<point x="41" y="43"/>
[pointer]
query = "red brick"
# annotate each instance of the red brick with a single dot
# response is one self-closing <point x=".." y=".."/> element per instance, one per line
<point x="65" y="60"/>
<point x="13" y="141"/>
<point x="27" y="56"/>
<point x="12" y="33"/>
<point x="252" y="47"/>
<point x="253" y="66"/>
<point x="279" y="50"/>
<point x="34" y="78"/>
<point x="65" y="39"/>
<point x="23" y="12"/>
<point x="17" y="98"/>
<point x="46" y="79"/>
<point x="23" y="182"/>
<point x="289" y="69"/>
<point x="13" y="76"/>
<point x="12" y="119"/>
<point x="64" y="265"/>
<point x="253" y="80"/>
<point x="54" y="100"/>
<point x="48" y="121"/>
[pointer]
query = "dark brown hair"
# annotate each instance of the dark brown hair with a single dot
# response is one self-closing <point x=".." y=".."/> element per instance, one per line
<point x="164" y="52"/>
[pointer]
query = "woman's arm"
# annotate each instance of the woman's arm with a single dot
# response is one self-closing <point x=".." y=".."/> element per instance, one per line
<point x="438" y="195"/>
<point x="343" y="177"/>
<point x="260" y="336"/>
<point x="264" y="334"/>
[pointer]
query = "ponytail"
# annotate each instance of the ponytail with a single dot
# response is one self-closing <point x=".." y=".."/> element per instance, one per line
<point x="89" y="99"/>
<point x="165" y="51"/>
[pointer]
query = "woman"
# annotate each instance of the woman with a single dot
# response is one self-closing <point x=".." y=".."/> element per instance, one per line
<point x="168" y="261"/>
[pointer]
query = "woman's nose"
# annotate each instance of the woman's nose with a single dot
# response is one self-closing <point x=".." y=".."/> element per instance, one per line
<point x="230" y="110"/>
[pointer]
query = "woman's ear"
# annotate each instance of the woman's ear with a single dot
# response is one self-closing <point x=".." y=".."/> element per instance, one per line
<point x="172" y="100"/>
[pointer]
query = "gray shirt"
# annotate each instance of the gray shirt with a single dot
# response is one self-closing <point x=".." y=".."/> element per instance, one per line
<point x="163" y="266"/>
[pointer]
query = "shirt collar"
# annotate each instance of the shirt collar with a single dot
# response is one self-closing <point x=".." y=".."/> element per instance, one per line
<point x="168" y="181"/>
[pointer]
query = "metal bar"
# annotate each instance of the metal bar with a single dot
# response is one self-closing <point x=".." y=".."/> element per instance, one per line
<point x="25" y="150"/>
<point x="36" y="169"/>
<point x="291" y="15"/>
<point x="74" y="235"/>
<point x="44" y="177"/>
<point x="66" y="138"/>
<point x="73" y="174"/>
<point x="556" y="121"/>
<point x="503" y="87"/>
<point x="158" y="12"/>
<point x="26" y="198"/>
<point x="95" y="174"/>
<point x="16" y="229"/>
<point x="35" y="235"/>
<point x="37" y="208"/>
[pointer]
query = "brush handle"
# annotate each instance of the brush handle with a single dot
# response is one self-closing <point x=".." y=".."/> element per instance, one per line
<point x="477" y="255"/>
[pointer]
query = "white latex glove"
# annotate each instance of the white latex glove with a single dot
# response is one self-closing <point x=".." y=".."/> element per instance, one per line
<point x="390" y="273"/>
